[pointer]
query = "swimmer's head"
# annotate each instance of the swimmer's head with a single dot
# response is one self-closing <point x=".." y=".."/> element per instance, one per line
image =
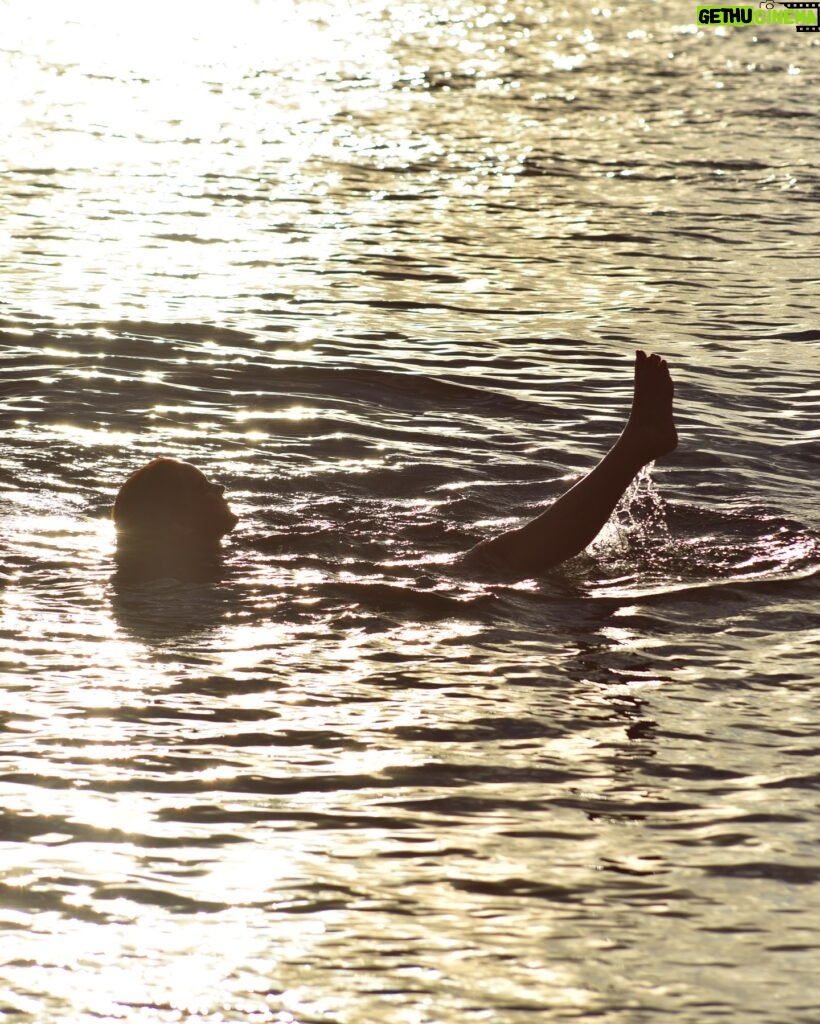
<point x="170" y="504"/>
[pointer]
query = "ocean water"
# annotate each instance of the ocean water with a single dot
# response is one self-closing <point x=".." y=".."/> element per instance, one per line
<point x="380" y="268"/>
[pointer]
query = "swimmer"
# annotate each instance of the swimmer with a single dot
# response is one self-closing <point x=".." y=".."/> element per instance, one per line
<point x="170" y="519"/>
<point x="575" y="519"/>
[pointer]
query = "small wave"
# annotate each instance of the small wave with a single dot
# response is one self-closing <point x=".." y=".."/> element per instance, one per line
<point x="652" y="547"/>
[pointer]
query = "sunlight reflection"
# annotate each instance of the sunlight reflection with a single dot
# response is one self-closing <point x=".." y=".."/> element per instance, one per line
<point x="91" y="436"/>
<point x="323" y="788"/>
<point x="60" y="353"/>
<point x="208" y="34"/>
<point x="189" y="983"/>
<point x="627" y="638"/>
<point x="294" y="412"/>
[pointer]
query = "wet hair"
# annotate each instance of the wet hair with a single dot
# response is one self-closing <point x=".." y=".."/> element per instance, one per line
<point x="146" y="497"/>
<point x="152" y="498"/>
<point x="170" y="519"/>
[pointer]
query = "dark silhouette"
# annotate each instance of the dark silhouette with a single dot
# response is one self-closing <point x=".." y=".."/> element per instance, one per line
<point x="170" y="518"/>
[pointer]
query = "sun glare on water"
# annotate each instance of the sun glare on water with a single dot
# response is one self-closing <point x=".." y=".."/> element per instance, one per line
<point x="158" y="39"/>
<point x="151" y="125"/>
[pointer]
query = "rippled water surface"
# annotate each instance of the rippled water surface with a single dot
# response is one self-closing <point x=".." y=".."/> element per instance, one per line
<point x="380" y="269"/>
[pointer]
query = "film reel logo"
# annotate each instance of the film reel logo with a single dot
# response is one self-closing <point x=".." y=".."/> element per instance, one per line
<point x="802" y="7"/>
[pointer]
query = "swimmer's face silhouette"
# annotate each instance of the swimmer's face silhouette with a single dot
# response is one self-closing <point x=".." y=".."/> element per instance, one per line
<point x="167" y="503"/>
